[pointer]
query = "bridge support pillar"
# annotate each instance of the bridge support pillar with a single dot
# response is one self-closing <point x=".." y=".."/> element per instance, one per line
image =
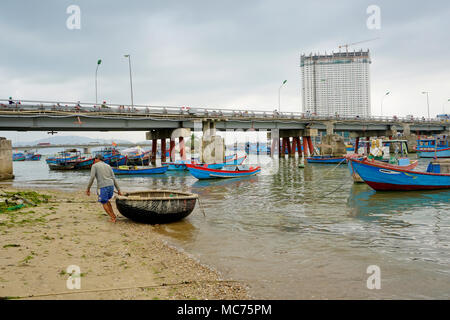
<point x="333" y="145"/>
<point x="163" y="150"/>
<point x="356" y="145"/>
<point x="6" y="165"/>
<point x="154" y="149"/>
<point x="172" y="150"/>
<point x="213" y="148"/>
<point x="406" y="129"/>
<point x="182" y="148"/>
<point x="368" y="145"/>
<point x="310" y="145"/>
<point x="293" y="146"/>
<point x="330" y="127"/>
<point x="296" y="144"/>
<point x="274" y="139"/>
<point x="305" y="146"/>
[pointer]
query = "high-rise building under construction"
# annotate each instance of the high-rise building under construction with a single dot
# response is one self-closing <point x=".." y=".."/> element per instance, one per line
<point x="336" y="84"/>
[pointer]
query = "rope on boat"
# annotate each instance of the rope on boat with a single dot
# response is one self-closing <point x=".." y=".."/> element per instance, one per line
<point x="159" y="286"/>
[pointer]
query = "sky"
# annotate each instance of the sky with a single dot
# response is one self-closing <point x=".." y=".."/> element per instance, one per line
<point x="218" y="54"/>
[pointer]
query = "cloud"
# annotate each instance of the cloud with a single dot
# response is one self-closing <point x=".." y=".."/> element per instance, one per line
<point x="216" y="53"/>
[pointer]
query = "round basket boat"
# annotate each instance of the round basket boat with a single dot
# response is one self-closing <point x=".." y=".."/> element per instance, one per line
<point x="156" y="206"/>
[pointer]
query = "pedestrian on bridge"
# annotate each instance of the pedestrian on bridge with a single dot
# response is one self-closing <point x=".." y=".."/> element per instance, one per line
<point x="11" y="100"/>
<point x="106" y="182"/>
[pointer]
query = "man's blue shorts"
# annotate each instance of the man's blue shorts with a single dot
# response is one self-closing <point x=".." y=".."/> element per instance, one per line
<point x="106" y="193"/>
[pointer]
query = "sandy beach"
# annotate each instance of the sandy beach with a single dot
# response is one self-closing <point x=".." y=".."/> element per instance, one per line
<point x="124" y="260"/>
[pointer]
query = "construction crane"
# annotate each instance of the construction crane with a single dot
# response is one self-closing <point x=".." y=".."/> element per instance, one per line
<point x="352" y="44"/>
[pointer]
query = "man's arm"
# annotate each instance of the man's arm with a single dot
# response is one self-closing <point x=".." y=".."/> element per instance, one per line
<point x="91" y="180"/>
<point x="115" y="182"/>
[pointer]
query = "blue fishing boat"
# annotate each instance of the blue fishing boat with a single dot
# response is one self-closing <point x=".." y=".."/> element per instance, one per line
<point x="203" y="172"/>
<point x="64" y="156"/>
<point x="231" y="160"/>
<point x="18" y="156"/>
<point x="433" y="148"/>
<point x="382" y="177"/>
<point x="325" y="159"/>
<point x="81" y="164"/>
<point x="179" y="165"/>
<point x="136" y="170"/>
<point x="31" y="156"/>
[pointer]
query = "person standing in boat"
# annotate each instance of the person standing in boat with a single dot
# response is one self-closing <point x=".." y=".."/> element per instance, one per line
<point x="106" y="182"/>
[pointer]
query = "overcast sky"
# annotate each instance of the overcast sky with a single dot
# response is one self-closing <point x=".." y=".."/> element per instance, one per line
<point x="227" y="54"/>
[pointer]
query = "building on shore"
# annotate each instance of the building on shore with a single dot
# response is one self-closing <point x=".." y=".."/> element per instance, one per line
<point x="336" y="83"/>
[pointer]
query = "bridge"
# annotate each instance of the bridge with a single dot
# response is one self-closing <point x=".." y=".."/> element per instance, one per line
<point x="72" y="116"/>
<point x="168" y="122"/>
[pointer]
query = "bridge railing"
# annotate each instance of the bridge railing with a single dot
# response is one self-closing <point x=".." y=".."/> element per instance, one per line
<point x="122" y="109"/>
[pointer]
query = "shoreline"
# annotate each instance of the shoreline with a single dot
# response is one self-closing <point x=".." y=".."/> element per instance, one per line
<point x="125" y="260"/>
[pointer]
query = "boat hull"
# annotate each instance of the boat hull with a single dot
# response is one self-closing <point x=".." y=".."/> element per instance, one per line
<point x="325" y="160"/>
<point x="202" y="173"/>
<point x="357" y="179"/>
<point x="140" y="171"/>
<point x="162" y="206"/>
<point x="384" y="178"/>
<point x="428" y="153"/>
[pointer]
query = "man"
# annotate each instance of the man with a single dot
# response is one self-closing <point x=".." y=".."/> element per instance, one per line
<point x="105" y="182"/>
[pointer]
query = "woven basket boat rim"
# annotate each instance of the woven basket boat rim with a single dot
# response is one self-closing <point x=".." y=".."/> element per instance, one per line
<point x="185" y="195"/>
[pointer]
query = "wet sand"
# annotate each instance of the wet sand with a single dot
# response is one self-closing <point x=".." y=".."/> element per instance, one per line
<point x="125" y="260"/>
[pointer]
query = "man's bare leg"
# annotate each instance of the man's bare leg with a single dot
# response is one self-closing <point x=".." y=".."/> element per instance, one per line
<point x="109" y="210"/>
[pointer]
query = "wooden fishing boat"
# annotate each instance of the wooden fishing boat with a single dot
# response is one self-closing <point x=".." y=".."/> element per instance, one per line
<point x="381" y="177"/>
<point x="83" y="164"/>
<point x="179" y="165"/>
<point x="325" y="159"/>
<point x="402" y="163"/>
<point x="433" y="148"/>
<point x="61" y="166"/>
<point x="18" y="157"/>
<point x="235" y="161"/>
<point x="203" y="172"/>
<point x="156" y="206"/>
<point x="136" y="170"/>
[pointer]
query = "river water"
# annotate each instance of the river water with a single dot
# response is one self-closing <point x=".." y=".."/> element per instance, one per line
<point x="293" y="233"/>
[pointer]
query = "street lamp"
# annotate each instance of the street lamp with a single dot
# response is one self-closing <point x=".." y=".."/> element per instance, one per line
<point x="96" y="70"/>
<point x="279" y="94"/>
<point x="131" y="80"/>
<point x="428" y="103"/>
<point x="386" y="94"/>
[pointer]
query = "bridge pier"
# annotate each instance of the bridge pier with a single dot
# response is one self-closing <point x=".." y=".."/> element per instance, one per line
<point x="154" y="149"/>
<point x="163" y="150"/>
<point x="163" y="135"/>
<point x="6" y="163"/>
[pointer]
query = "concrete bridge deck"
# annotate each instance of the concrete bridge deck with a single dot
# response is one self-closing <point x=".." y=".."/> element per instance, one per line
<point x="70" y="116"/>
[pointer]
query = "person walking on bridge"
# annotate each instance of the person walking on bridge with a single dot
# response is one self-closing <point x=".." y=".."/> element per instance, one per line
<point x="106" y="182"/>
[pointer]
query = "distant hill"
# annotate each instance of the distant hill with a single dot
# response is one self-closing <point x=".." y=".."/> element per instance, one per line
<point x="70" y="140"/>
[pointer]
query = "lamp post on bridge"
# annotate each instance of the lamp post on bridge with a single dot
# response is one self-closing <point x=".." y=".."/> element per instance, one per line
<point x="279" y="95"/>
<point x="131" y="79"/>
<point x="428" y="103"/>
<point x="386" y="94"/>
<point x="96" y="71"/>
